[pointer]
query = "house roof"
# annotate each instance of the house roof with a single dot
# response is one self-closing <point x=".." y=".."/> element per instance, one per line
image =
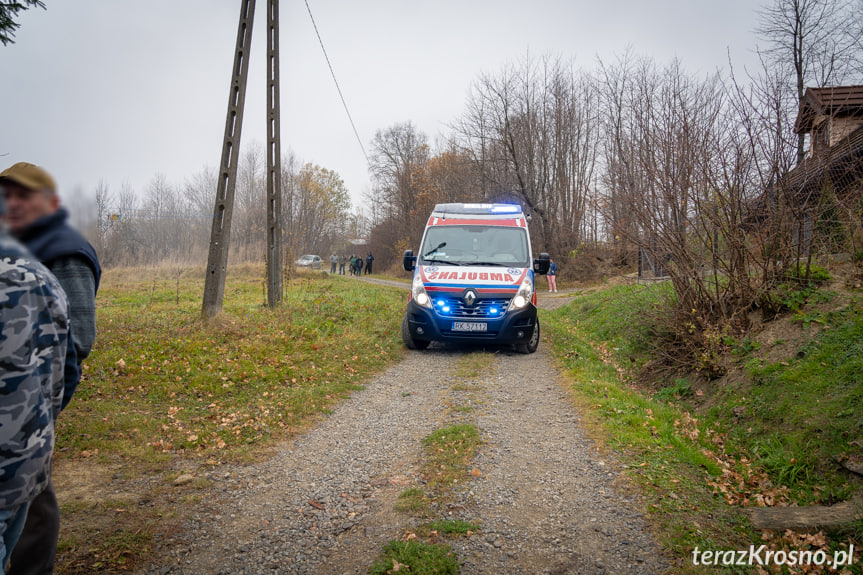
<point x="832" y="101"/>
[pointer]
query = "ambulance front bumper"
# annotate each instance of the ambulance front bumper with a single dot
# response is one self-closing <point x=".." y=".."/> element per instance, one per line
<point x="511" y="327"/>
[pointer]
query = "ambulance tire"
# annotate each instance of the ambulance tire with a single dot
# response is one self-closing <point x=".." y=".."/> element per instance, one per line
<point x="531" y="345"/>
<point x="409" y="340"/>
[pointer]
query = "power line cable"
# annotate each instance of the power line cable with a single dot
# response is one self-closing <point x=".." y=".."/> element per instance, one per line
<point x="344" y="103"/>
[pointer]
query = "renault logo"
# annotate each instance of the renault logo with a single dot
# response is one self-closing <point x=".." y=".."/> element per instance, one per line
<point x="469" y="297"/>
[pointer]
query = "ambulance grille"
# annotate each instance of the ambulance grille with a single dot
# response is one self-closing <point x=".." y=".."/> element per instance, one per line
<point x="483" y="308"/>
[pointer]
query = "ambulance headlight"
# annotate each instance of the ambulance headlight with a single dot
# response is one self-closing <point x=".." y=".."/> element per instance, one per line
<point x="419" y="293"/>
<point x="523" y="295"/>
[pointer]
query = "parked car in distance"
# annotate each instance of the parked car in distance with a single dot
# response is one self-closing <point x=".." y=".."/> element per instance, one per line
<point x="309" y="261"/>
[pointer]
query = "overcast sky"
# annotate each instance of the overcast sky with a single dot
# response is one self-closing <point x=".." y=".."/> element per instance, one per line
<point x="120" y="91"/>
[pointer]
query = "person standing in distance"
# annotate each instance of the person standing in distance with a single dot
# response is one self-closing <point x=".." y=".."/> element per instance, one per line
<point x="552" y="276"/>
<point x="36" y="218"/>
<point x="35" y="349"/>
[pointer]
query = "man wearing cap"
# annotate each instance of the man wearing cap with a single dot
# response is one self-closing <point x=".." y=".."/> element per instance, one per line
<point x="35" y="217"/>
<point x="34" y="349"/>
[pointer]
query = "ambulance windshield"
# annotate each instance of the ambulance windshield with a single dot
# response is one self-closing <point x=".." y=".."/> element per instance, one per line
<point x="475" y="245"/>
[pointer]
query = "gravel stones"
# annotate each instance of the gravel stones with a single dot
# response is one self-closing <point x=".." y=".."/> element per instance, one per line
<point x="546" y="500"/>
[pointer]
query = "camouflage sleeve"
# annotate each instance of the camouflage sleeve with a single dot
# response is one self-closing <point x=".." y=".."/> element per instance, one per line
<point x="33" y="341"/>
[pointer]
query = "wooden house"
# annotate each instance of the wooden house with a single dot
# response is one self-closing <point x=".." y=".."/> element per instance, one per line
<point x="833" y="118"/>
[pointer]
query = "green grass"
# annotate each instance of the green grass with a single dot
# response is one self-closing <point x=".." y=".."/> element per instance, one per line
<point x="618" y="318"/>
<point x="162" y="386"/>
<point x="802" y="413"/>
<point x="670" y="454"/>
<point x="449" y="451"/>
<point x="447" y="527"/>
<point x="772" y="434"/>
<point x="162" y="381"/>
<point x="416" y="558"/>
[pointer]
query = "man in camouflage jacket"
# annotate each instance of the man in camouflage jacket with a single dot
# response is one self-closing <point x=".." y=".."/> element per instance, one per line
<point x="34" y="348"/>
<point x="36" y="218"/>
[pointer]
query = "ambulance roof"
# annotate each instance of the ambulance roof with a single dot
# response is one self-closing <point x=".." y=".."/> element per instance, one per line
<point x="454" y="210"/>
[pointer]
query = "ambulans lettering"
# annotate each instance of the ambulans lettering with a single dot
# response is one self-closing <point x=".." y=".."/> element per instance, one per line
<point x="470" y="276"/>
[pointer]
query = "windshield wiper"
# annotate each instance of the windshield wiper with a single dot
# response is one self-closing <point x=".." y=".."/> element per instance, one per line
<point x="485" y="264"/>
<point x="447" y="262"/>
<point x="442" y="244"/>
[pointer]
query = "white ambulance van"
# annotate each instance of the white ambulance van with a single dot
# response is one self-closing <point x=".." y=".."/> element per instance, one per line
<point x="474" y="279"/>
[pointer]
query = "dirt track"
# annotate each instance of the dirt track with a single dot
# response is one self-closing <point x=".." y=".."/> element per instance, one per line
<point x="546" y="500"/>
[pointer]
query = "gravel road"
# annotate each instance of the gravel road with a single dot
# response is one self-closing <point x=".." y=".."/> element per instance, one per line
<point x="547" y="500"/>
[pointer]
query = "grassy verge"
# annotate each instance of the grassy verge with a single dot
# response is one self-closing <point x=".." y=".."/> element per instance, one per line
<point x="165" y="392"/>
<point x="801" y="415"/>
<point x="662" y="448"/>
<point x="766" y="434"/>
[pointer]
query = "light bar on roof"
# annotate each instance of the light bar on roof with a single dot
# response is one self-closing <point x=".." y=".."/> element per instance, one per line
<point x="505" y="209"/>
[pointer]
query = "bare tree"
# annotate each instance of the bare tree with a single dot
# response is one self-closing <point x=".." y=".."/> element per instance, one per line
<point x="250" y="205"/>
<point x="532" y="131"/>
<point x="103" y="215"/>
<point x="399" y="157"/>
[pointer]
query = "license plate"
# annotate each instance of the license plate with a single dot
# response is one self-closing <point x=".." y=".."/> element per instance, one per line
<point x="469" y="326"/>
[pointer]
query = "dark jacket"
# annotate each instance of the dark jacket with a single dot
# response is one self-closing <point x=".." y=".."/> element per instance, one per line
<point x="74" y="263"/>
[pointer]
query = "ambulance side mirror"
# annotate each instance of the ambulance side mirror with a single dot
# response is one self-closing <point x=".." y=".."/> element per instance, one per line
<point x="541" y="264"/>
<point x="409" y="261"/>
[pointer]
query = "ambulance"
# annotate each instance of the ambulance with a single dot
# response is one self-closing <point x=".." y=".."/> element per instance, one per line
<point x="474" y="279"/>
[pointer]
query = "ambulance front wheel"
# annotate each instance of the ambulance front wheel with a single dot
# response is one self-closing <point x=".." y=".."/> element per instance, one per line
<point x="532" y="343"/>
<point x="409" y="340"/>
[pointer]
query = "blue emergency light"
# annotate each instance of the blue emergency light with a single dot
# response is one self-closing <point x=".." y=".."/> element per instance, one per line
<point x="505" y="209"/>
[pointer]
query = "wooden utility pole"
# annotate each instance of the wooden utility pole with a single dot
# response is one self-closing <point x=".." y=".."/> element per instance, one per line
<point x="274" y="163"/>
<point x="220" y="235"/>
